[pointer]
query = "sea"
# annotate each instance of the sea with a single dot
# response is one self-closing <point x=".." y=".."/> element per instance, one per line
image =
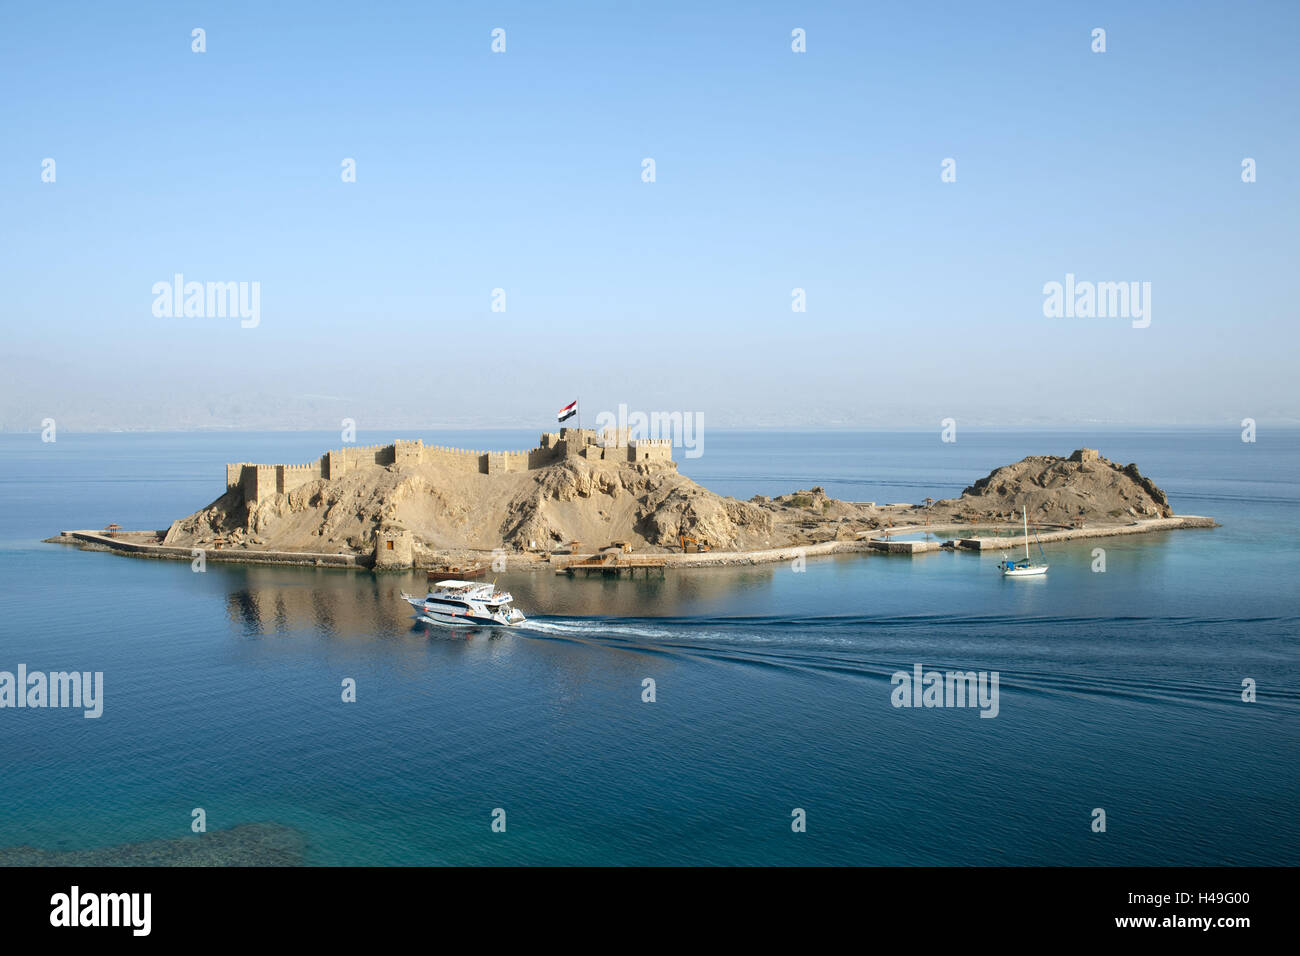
<point x="1147" y="708"/>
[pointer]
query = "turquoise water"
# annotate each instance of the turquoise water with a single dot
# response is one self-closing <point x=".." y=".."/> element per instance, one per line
<point x="1119" y="690"/>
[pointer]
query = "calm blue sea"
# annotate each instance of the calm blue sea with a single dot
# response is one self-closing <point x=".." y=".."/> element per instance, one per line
<point x="1118" y="690"/>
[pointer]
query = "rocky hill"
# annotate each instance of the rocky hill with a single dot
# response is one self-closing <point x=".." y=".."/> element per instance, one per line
<point x="647" y="504"/>
<point x="1060" y="490"/>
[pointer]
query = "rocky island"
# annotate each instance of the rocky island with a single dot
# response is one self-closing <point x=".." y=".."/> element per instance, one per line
<point x="577" y="493"/>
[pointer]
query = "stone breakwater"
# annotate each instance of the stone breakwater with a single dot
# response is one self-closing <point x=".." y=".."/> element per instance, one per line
<point x="98" y="541"/>
<point x="1005" y="542"/>
<point x="122" y="544"/>
<point x="144" y="544"/>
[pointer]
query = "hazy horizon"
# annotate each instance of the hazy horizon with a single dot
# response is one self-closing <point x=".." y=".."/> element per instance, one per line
<point x="517" y="179"/>
<point x="1229" y="428"/>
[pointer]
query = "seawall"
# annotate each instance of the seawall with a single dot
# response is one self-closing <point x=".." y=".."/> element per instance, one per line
<point x="886" y="543"/>
<point x="121" y="544"/>
<point x="140" y="549"/>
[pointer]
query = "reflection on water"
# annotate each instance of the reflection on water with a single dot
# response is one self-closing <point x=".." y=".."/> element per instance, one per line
<point x="270" y="600"/>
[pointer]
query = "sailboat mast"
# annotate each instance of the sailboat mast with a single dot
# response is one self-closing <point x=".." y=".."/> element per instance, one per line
<point x="1025" y="512"/>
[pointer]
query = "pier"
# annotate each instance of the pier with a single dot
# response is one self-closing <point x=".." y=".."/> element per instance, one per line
<point x="614" y="565"/>
<point x="885" y="542"/>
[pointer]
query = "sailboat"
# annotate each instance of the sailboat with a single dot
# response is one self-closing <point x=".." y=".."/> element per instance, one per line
<point x="1022" y="569"/>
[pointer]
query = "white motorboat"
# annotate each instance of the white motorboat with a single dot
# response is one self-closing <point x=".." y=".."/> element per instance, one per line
<point x="466" y="602"/>
<point x="1023" y="568"/>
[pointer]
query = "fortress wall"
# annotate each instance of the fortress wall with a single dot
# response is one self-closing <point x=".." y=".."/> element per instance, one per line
<point x="650" y="449"/>
<point x="334" y="465"/>
<point x="521" y="460"/>
<point x="408" y="452"/>
<point x="357" y="456"/>
<point x="543" y="455"/>
<point x="260" y="481"/>
<point x="579" y="436"/>
<point x="457" y="459"/>
<point x="363" y="456"/>
<point x="289" y="477"/>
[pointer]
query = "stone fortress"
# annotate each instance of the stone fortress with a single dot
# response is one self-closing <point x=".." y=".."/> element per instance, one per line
<point x="259" y="482"/>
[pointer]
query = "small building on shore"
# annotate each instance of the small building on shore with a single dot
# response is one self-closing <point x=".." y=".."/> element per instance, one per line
<point x="394" y="549"/>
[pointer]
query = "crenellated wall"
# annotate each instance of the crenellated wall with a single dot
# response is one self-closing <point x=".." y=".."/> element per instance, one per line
<point x="258" y="482"/>
<point x="289" y="477"/>
<point x="650" y="449"/>
<point x="455" y="459"/>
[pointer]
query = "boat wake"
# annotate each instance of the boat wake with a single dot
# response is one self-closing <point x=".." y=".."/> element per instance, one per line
<point x="1047" y="655"/>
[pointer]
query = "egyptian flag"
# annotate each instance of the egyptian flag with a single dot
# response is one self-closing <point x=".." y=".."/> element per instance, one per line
<point x="568" y="411"/>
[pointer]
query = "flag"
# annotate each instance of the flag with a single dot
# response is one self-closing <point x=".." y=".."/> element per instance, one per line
<point x="568" y="411"/>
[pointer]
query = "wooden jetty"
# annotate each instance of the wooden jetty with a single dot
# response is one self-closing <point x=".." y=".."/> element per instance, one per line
<point x="613" y="563"/>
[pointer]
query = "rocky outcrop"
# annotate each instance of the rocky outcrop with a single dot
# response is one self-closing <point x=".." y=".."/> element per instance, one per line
<point x="1061" y="490"/>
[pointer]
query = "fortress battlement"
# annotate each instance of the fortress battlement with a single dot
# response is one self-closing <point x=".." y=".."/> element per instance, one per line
<point x="258" y="482"/>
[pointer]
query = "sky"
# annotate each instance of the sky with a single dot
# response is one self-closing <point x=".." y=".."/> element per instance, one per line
<point x="523" y="171"/>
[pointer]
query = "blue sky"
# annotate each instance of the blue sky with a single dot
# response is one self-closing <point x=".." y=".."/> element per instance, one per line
<point x="522" y="171"/>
